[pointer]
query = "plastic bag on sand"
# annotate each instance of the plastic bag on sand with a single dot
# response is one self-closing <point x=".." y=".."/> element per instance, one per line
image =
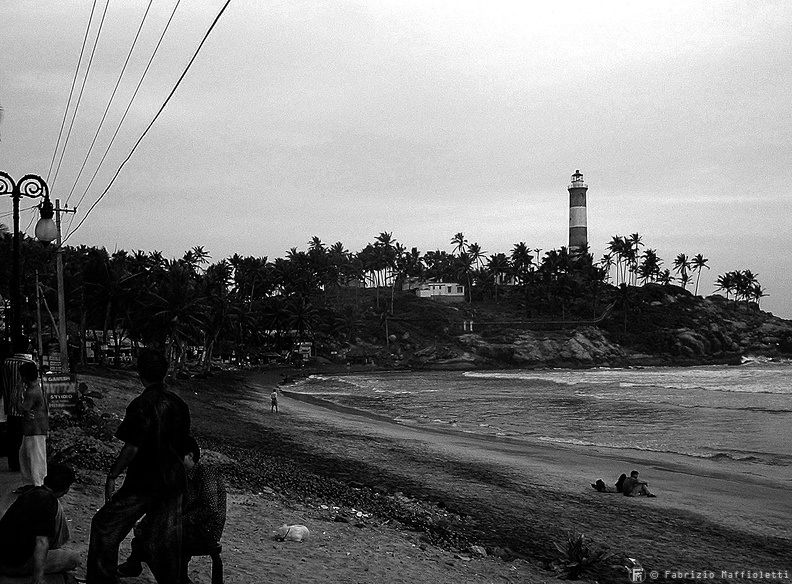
<point x="292" y="532"/>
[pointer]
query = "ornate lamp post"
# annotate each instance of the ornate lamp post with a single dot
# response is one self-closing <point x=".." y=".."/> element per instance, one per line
<point x="33" y="187"/>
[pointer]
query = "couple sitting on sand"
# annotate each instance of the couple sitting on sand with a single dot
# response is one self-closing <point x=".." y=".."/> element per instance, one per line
<point x="630" y="486"/>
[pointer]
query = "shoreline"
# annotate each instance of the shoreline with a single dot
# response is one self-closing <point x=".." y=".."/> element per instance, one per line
<point x="519" y="497"/>
<point x="677" y="476"/>
<point x="718" y="496"/>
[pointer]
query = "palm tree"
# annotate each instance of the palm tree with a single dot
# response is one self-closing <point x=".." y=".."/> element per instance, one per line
<point x="175" y="311"/>
<point x="385" y="244"/>
<point x="745" y="282"/>
<point x="522" y="261"/>
<point x="465" y="266"/>
<point x="607" y="263"/>
<point x="726" y="282"/>
<point x="665" y="277"/>
<point x="196" y="257"/>
<point x="316" y="245"/>
<point x="681" y="267"/>
<point x="439" y="265"/>
<point x="460" y="243"/>
<point x="619" y="248"/>
<point x="757" y="293"/>
<point x="217" y="285"/>
<point x="649" y="269"/>
<point x="476" y="254"/>
<point x="498" y="266"/>
<point x="699" y="262"/>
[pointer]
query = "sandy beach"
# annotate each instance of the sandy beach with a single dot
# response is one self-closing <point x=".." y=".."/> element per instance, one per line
<point x="345" y="474"/>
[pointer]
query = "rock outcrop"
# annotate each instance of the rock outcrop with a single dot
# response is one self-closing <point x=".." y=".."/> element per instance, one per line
<point x="665" y="325"/>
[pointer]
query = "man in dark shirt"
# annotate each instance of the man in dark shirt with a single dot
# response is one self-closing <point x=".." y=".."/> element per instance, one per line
<point x="154" y="430"/>
<point x="203" y="513"/>
<point x="635" y="487"/>
<point x="34" y="529"/>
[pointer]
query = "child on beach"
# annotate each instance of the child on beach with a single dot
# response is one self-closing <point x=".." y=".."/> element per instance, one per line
<point x="274" y="398"/>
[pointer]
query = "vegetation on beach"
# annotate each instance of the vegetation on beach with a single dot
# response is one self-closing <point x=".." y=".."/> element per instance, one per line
<point x="577" y="555"/>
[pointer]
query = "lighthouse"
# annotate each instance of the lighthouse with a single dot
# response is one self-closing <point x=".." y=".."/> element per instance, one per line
<point x="578" y="233"/>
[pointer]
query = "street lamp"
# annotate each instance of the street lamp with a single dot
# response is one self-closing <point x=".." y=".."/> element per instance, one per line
<point x="33" y="187"/>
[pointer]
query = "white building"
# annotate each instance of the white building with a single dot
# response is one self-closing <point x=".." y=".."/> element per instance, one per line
<point x="446" y="291"/>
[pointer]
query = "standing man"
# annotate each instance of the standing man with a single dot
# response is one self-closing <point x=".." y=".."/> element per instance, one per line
<point x="154" y="431"/>
<point x="13" y="396"/>
<point x="33" y="452"/>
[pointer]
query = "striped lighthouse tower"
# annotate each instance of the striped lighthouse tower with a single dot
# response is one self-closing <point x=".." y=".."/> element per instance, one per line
<point x="578" y="233"/>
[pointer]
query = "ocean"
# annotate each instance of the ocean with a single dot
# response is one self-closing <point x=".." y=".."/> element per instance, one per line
<point x="726" y="414"/>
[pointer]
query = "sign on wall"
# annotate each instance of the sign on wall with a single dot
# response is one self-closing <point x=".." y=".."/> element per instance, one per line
<point x="61" y="391"/>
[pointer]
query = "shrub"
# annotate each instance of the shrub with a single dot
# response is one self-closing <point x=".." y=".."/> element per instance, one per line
<point x="576" y="555"/>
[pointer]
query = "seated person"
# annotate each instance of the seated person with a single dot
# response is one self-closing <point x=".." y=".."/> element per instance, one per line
<point x="34" y="529"/>
<point x="203" y="512"/>
<point x="634" y="487"/>
<point x="603" y="488"/>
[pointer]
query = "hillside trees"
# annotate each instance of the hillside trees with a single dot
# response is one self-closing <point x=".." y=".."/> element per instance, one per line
<point x="255" y="304"/>
<point x="741" y="285"/>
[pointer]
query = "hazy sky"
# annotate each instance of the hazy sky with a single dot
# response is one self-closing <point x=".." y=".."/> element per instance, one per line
<point x="421" y="118"/>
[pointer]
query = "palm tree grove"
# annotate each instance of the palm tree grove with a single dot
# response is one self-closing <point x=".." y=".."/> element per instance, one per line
<point x="257" y="309"/>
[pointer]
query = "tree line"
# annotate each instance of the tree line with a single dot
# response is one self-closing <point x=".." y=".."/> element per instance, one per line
<point x="254" y="302"/>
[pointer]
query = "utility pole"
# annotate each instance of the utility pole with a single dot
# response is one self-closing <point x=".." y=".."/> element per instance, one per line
<point x="62" y="339"/>
<point x="38" y="323"/>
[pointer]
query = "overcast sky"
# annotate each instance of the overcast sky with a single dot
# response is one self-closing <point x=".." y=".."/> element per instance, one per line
<point x="420" y="118"/>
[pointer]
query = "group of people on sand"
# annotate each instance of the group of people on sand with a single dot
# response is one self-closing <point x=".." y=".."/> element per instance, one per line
<point x="629" y="486"/>
<point x="175" y="505"/>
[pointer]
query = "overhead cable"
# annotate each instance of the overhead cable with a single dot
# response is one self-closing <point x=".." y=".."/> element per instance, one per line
<point x="126" y="111"/>
<point x="109" y="101"/>
<point x="79" y="98"/>
<point x="170" y="95"/>
<point x="71" y="91"/>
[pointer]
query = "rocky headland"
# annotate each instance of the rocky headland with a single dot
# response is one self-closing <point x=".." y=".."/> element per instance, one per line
<point x="663" y="325"/>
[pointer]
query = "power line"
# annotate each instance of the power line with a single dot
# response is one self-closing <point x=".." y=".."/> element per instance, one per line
<point x="71" y="91"/>
<point x="10" y="213"/>
<point x="109" y="102"/>
<point x="129" y="105"/>
<point x="79" y="98"/>
<point x="184" y="73"/>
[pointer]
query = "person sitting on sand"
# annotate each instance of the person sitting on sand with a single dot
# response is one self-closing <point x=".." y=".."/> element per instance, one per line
<point x="634" y="487"/>
<point x="600" y="485"/>
<point x="34" y="530"/>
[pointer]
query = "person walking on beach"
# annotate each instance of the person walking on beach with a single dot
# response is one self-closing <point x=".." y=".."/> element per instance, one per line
<point x="33" y="450"/>
<point x="274" y="399"/>
<point x="13" y="396"/>
<point x="154" y="431"/>
<point x="635" y="487"/>
<point x="34" y="530"/>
